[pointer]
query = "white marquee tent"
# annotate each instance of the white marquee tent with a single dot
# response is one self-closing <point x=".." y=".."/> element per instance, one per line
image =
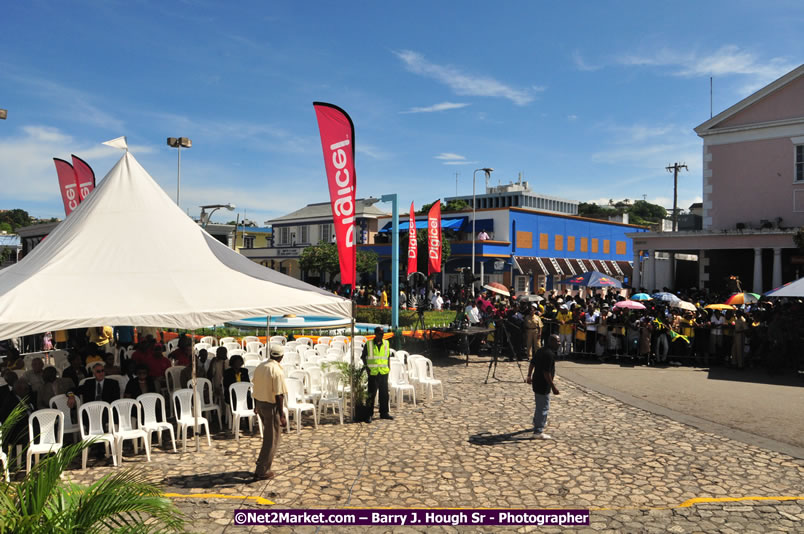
<point x="791" y="289"/>
<point x="129" y="256"/>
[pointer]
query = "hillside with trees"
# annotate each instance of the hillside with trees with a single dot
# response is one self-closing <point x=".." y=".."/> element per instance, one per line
<point x="639" y="212"/>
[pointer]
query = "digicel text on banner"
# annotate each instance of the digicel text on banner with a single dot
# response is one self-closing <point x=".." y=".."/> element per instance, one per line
<point x="413" y="245"/>
<point x="337" y="140"/>
<point x="434" y="239"/>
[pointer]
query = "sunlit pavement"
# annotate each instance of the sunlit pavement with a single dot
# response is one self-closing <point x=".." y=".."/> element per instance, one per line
<point x="636" y="471"/>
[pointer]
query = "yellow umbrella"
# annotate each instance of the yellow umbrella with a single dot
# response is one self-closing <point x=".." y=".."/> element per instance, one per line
<point x="720" y="307"/>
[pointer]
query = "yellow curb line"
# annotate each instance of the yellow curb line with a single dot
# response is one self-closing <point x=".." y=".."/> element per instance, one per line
<point x="705" y="500"/>
<point x="258" y="500"/>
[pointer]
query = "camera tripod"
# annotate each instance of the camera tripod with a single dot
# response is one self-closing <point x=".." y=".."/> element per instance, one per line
<point x="498" y="350"/>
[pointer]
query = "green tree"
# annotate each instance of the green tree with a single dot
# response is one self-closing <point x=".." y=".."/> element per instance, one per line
<point x="6" y="227"/>
<point x="323" y="258"/>
<point x="16" y="218"/>
<point x="456" y="205"/>
<point x="123" y="501"/>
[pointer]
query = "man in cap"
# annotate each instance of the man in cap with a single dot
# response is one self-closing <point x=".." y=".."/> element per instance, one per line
<point x="375" y="360"/>
<point x="269" y="392"/>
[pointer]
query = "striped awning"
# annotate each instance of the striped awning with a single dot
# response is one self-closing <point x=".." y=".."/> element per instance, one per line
<point x="566" y="267"/>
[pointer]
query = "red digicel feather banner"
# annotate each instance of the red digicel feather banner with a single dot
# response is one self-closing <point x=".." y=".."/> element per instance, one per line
<point x="338" y="141"/>
<point x="84" y="176"/>
<point x="67" y="185"/>
<point x="434" y="238"/>
<point x="413" y="245"/>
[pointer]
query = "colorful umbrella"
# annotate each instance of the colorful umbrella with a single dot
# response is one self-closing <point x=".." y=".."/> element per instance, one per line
<point x="742" y="298"/>
<point x="593" y="279"/>
<point x="720" y="307"/>
<point x="684" y="305"/>
<point x="640" y="296"/>
<point x="498" y="288"/>
<point x="665" y="297"/>
<point x="629" y="305"/>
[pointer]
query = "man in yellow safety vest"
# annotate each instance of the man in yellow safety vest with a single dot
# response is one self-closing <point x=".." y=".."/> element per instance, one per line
<point x="375" y="360"/>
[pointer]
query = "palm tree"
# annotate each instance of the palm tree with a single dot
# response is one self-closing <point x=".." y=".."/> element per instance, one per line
<point x="123" y="501"/>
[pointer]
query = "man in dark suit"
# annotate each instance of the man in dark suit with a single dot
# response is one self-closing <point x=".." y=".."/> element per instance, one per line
<point x="100" y="389"/>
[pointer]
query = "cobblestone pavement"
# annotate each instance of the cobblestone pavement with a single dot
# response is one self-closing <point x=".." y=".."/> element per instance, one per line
<point x="474" y="449"/>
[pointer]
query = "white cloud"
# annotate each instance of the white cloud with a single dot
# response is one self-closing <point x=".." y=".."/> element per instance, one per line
<point x="372" y="151"/>
<point x="450" y="156"/>
<point x="572" y="117"/>
<point x="460" y="162"/>
<point x="461" y="83"/>
<point x="728" y="60"/>
<point x="582" y="65"/>
<point x="444" y="106"/>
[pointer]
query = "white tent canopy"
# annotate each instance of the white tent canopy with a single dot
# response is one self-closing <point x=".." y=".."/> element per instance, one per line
<point x="791" y="289"/>
<point x="129" y="256"/>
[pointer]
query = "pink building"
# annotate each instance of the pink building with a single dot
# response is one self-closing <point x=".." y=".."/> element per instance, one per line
<point x="753" y="195"/>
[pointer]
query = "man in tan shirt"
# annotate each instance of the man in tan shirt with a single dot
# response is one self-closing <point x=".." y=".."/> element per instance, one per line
<point x="269" y="396"/>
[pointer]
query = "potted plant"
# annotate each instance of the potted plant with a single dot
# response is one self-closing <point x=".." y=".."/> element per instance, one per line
<point x="357" y="380"/>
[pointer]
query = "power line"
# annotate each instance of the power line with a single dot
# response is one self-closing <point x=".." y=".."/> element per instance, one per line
<point x="674" y="168"/>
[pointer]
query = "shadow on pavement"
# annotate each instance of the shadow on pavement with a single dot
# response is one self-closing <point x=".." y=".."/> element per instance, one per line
<point x="756" y="375"/>
<point x="216" y="480"/>
<point x="485" y="438"/>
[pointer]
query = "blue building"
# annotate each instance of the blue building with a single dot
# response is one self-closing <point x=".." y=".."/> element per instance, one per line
<point x="527" y="248"/>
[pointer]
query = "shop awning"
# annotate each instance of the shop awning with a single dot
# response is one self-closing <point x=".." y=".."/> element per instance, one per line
<point x="455" y="223"/>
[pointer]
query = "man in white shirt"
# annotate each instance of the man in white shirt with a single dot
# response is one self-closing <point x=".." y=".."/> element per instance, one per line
<point x="269" y="392"/>
<point x="472" y="313"/>
<point x="591" y="319"/>
<point x="437" y="301"/>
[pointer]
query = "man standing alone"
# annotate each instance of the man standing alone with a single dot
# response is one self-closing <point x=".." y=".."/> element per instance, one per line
<point x="375" y="360"/>
<point x="541" y="373"/>
<point x="269" y="396"/>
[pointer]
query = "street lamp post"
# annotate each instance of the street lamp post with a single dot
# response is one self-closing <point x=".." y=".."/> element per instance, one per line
<point x="488" y="171"/>
<point x="179" y="142"/>
<point x="213" y="207"/>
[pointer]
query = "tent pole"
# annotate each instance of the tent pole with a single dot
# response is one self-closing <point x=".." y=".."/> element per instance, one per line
<point x="352" y="362"/>
<point x="196" y="407"/>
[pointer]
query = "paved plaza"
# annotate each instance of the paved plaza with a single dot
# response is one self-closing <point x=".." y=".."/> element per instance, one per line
<point x="637" y="471"/>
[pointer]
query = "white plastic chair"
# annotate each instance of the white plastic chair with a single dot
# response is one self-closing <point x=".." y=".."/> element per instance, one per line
<point x="204" y="392"/>
<point x="224" y="340"/>
<point x="238" y="403"/>
<point x="128" y="429"/>
<point x="153" y="406"/>
<point x="230" y="353"/>
<point x="173" y="378"/>
<point x="305" y="340"/>
<point x="231" y="345"/>
<point x="183" y="405"/>
<point x="249" y="339"/>
<point x="321" y="348"/>
<point x="251" y="357"/>
<point x="251" y="367"/>
<point x="278" y="339"/>
<point x="59" y="402"/>
<point x="291" y="345"/>
<point x="361" y="339"/>
<point x="4" y="459"/>
<point x="254" y="346"/>
<point x="398" y="383"/>
<point x="212" y="341"/>
<point x="296" y="406"/>
<point x="342" y="339"/>
<point x="51" y="434"/>
<point x="424" y="371"/>
<point x="93" y="429"/>
<point x="324" y="340"/>
<point x="198" y="346"/>
<point x="338" y="345"/>
<point x="291" y="358"/>
<point x="171" y="345"/>
<point x="121" y="380"/>
<point x="330" y="394"/>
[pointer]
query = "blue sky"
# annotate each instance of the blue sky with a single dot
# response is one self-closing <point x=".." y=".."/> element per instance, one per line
<point x="588" y="100"/>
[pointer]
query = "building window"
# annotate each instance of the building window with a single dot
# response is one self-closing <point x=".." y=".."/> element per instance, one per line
<point x="305" y="234"/>
<point x="522" y="284"/>
<point x="248" y="241"/>
<point x="284" y="235"/>
<point x="800" y="163"/>
<point x="325" y="233"/>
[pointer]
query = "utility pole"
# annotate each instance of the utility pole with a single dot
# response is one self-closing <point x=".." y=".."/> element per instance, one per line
<point x="674" y="168"/>
<point x="456" y="183"/>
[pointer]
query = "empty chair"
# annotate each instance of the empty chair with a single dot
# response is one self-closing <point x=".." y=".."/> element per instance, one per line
<point x="238" y="403"/>
<point x="50" y="437"/>
<point x="231" y="345"/>
<point x="305" y="340"/>
<point x="183" y="405"/>
<point x="4" y="460"/>
<point x="288" y="368"/>
<point x="331" y="394"/>
<point x="254" y="346"/>
<point x="59" y="402"/>
<point x="211" y="340"/>
<point x="324" y="340"/>
<point x="251" y="357"/>
<point x="239" y="352"/>
<point x="398" y="383"/>
<point x="304" y="377"/>
<point x="424" y="372"/>
<point x="413" y="373"/>
<point x="127" y="428"/>
<point x="278" y="339"/>
<point x="92" y="429"/>
<point x="224" y="340"/>
<point x="251" y="366"/>
<point x="361" y="339"/>
<point x="291" y="358"/>
<point x="314" y="375"/>
<point x="154" y="418"/>
<point x="402" y="355"/>
<point x="342" y="339"/>
<point x="205" y="397"/>
<point x="248" y="339"/>
<point x="338" y="345"/>
<point x="321" y="348"/>
<point x="296" y="406"/>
